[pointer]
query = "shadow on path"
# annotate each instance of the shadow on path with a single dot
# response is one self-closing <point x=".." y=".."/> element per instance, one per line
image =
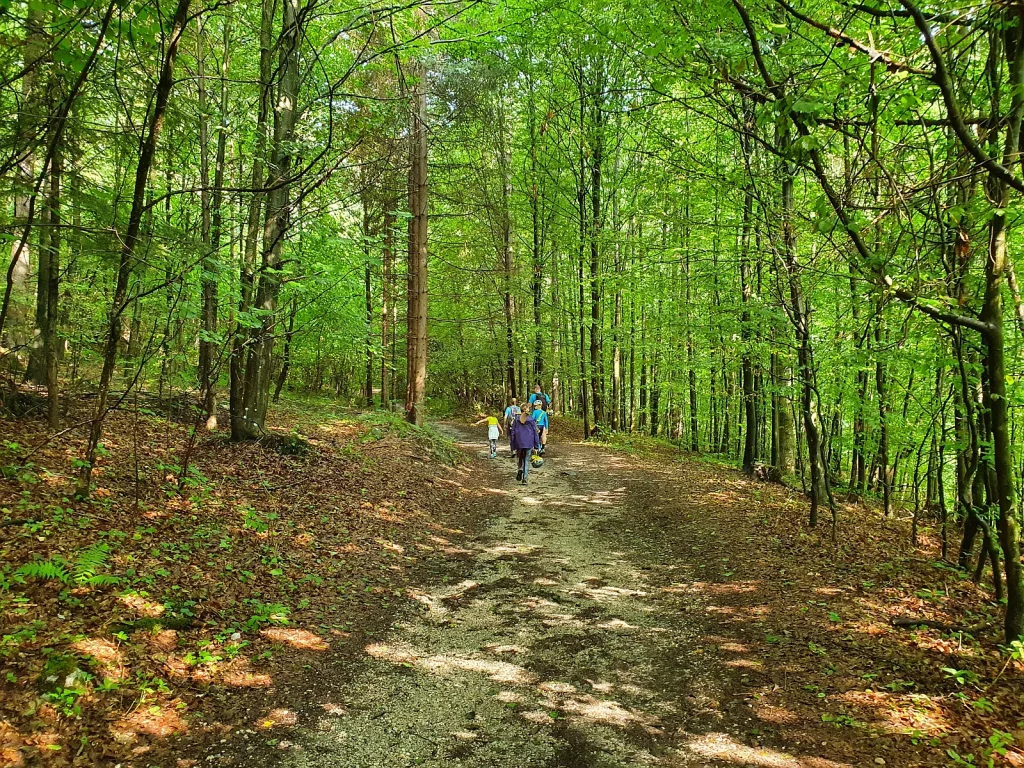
<point x="561" y="642"/>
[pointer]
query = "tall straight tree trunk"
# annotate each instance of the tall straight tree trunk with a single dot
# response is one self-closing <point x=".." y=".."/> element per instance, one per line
<point x="655" y="372"/>
<point x="558" y="344"/>
<point x="368" y="303"/>
<point x="387" y="277"/>
<point x="643" y="395"/>
<point x="880" y="384"/>
<point x="207" y="337"/>
<point x="631" y="412"/>
<point x="27" y="123"/>
<point x="858" y="464"/>
<point x="691" y="370"/>
<point x="416" y="377"/>
<point x="35" y="372"/>
<point x="596" y="305"/>
<point x="38" y="100"/>
<point x="995" y="394"/>
<point x="581" y="202"/>
<point x="286" y="355"/>
<point x="883" y="414"/>
<point x="750" y="438"/>
<point x="256" y="385"/>
<point x="507" y="301"/>
<point x="50" y="339"/>
<point x="800" y="313"/>
<point x="247" y="267"/>
<point x="211" y="300"/>
<point x="147" y="150"/>
<point x="537" y="274"/>
<point x="616" y="405"/>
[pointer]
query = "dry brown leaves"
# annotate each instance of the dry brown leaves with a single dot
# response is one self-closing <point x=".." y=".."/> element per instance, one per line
<point x="233" y="577"/>
<point x="805" y="626"/>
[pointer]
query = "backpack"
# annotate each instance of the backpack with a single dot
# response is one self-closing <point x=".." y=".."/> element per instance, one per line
<point x="513" y="413"/>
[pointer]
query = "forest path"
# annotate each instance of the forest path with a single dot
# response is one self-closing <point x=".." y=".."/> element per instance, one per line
<point x="562" y="639"/>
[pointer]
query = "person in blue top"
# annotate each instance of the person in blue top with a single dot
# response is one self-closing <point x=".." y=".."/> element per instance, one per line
<point x="525" y="440"/>
<point x="540" y="415"/>
<point x="538" y="394"/>
<point x="511" y="413"/>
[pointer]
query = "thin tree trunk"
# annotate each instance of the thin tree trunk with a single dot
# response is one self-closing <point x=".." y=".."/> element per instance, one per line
<point x="750" y="438"/>
<point x="146" y="152"/>
<point x="240" y="425"/>
<point x="286" y="356"/>
<point x="50" y="339"/>
<point x="256" y="384"/>
<point x="415" y="398"/>
<point x="368" y="303"/>
<point x="387" y="277"/>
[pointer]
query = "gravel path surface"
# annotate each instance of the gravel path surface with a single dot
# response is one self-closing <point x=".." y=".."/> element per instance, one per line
<point x="564" y="640"/>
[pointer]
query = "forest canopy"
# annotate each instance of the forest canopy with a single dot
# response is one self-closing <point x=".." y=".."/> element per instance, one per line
<point x="781" y="232"/>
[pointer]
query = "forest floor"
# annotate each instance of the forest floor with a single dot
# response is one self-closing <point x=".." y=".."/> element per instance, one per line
<point x="369" y="603"/>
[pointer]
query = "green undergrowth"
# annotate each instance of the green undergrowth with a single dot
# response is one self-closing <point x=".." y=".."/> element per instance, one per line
<point x="306" y="413"/>
<point x="381" y="423"/>
<point x="253" y="557"/>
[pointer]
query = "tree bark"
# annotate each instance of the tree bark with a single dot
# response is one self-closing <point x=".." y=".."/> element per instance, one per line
<point x="750" y="437"/>
<point x="387" y="277"/>
<point x="256" y="384"/>
<point x="415" y="397"/>
<point x="247" y="266"/>
<point x="146" y="152"/>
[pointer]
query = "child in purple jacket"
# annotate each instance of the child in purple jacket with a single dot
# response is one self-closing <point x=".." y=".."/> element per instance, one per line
<point x="523" y="437"/>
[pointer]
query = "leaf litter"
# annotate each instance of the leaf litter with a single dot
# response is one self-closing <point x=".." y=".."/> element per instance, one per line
<point x="687" y="615"/>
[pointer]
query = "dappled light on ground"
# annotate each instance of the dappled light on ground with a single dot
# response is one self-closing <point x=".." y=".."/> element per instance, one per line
<point x="498" y="671"/>
<point x="300" y="639"/>
<point x="154" y="720"/>
<point x="280" y="717"/>
<point x="722" y="747"/>
<point x="107" y="654"/>
<point x="239" y="673"/>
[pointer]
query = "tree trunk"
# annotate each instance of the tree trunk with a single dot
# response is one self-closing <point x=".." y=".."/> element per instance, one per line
<point x="750" y="438"/>
<point x="996" y="404"/>
<point x="538" y="263"/>
<point x="416" y="380"/>
<point x="596" y="306"/>
<point x="368" y="303"/>
<point x="240" y="425"/>
<point x="147" y="150"/>
<point x="50" y="338"/>
<point x="209" y="280"/>
<point x="256" y="384"/>
<point x="286" y="356"/>
<point x="883" y="411"/>
<point x="387" y="277"/>
<point x="27" y="127"/>
<point x="800" y="315"/>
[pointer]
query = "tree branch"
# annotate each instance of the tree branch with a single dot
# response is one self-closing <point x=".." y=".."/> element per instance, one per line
<point x="891" y="64"/>
<point x="942" y="79"/>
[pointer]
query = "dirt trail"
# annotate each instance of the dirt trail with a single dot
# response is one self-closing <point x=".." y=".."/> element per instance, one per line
<point x="563" y="639"/>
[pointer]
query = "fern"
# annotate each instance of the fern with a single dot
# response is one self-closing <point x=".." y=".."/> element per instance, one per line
<point x="84" y="571"/>
<point x="48" y="570"/>
<point x="90" y="562"/>
<point x="102" y="580"/>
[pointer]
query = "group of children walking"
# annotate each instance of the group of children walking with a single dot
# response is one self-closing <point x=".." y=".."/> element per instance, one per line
<point x="527" y="431"/>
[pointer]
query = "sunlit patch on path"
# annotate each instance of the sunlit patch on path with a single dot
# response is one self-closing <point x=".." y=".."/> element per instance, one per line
<point x="556" y="641"/>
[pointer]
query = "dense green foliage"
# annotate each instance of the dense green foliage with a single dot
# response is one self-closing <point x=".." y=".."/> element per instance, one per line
<point x="777" y="233"/>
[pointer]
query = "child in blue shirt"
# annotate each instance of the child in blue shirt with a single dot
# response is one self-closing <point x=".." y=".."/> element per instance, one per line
<point x="540" y="415"/>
